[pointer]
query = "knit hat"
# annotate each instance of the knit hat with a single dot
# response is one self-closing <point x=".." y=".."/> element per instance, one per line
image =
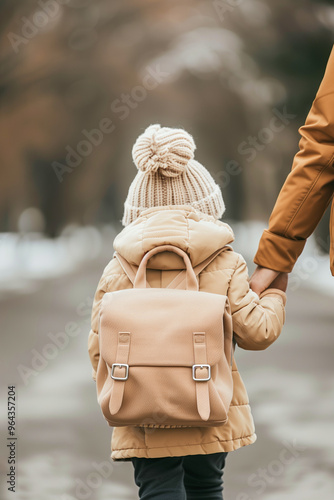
<point x="169" y="175"/>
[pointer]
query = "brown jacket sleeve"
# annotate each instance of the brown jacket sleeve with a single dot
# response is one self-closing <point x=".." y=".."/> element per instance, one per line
<point x="308" y="188"/>
<point x="257" y="321"/>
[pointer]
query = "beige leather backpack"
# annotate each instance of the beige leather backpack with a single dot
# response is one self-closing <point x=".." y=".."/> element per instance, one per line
<point x="165" y="353"/>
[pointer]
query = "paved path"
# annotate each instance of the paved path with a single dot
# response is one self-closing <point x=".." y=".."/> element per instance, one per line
<point x="63" y="442"/>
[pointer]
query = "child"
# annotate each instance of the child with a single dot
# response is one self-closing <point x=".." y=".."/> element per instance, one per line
<point x="174" y="200"/>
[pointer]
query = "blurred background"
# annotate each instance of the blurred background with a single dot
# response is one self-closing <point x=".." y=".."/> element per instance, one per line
<point x="79" y="81"/>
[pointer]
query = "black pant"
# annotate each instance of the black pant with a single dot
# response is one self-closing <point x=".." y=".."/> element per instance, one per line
<point x="192" y="477"/>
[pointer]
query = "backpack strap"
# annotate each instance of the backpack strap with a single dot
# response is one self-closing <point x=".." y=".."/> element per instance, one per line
<point x="201" y="375"/>
<point x="191" y="282"/>
<point x="199" y="268"/>
<point x="179" y="279"/>
<point x="128" y="268"/>
<point x="120" y="371"/>
<point x="131" y="270"/>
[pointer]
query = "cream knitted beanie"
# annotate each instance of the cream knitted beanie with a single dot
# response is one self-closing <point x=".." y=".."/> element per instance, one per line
<point x="169" y="175"/>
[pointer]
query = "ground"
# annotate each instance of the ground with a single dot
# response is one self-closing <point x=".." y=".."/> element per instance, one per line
<point x="63" y="444"/>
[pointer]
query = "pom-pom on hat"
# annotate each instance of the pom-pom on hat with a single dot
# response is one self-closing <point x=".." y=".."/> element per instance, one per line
<point x="169" y="175"/>
<point x="165" y="150"/>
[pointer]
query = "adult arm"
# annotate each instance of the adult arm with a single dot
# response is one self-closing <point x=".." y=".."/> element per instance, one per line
<point x="308" y="188"/>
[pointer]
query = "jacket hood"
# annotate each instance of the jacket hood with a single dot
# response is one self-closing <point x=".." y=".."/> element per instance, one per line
<point x="183" y="226"/>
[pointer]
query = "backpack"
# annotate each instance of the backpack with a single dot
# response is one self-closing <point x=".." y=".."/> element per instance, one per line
<point x="165" y="353"/>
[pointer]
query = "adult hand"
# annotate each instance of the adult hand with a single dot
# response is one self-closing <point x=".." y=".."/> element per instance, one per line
<point x="262" y="278"/>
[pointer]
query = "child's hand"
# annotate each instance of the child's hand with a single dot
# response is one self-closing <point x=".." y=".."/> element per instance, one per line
<point x="280" y="282"/>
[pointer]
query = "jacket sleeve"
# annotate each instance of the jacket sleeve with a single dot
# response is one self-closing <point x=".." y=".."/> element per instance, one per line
<point x="257" y="321"/>
<point x="93" y="339"/>
<point x="308" y="188"/>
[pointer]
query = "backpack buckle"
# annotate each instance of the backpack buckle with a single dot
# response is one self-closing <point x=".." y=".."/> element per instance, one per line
<point x="119" y="365"/>
<point x="208" y="367"/>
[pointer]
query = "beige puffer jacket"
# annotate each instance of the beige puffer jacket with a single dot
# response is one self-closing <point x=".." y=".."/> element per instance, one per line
<point x="256" y="322"/>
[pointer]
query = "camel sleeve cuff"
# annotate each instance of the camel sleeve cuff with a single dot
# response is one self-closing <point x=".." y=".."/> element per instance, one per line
<point x="274" y="292"/>
<point x="277" y="252"/>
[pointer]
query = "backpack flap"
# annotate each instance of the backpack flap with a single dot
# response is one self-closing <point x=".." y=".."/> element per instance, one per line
<point x="162" y="321"/>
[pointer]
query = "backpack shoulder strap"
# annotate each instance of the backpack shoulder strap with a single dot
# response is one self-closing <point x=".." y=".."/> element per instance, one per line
<point x="199" y="268"/>
<point x="179" y="279"/>
<point x="129" y="269"/>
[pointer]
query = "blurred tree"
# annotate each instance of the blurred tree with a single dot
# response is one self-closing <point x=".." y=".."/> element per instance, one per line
<point x="80" y="79"/>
